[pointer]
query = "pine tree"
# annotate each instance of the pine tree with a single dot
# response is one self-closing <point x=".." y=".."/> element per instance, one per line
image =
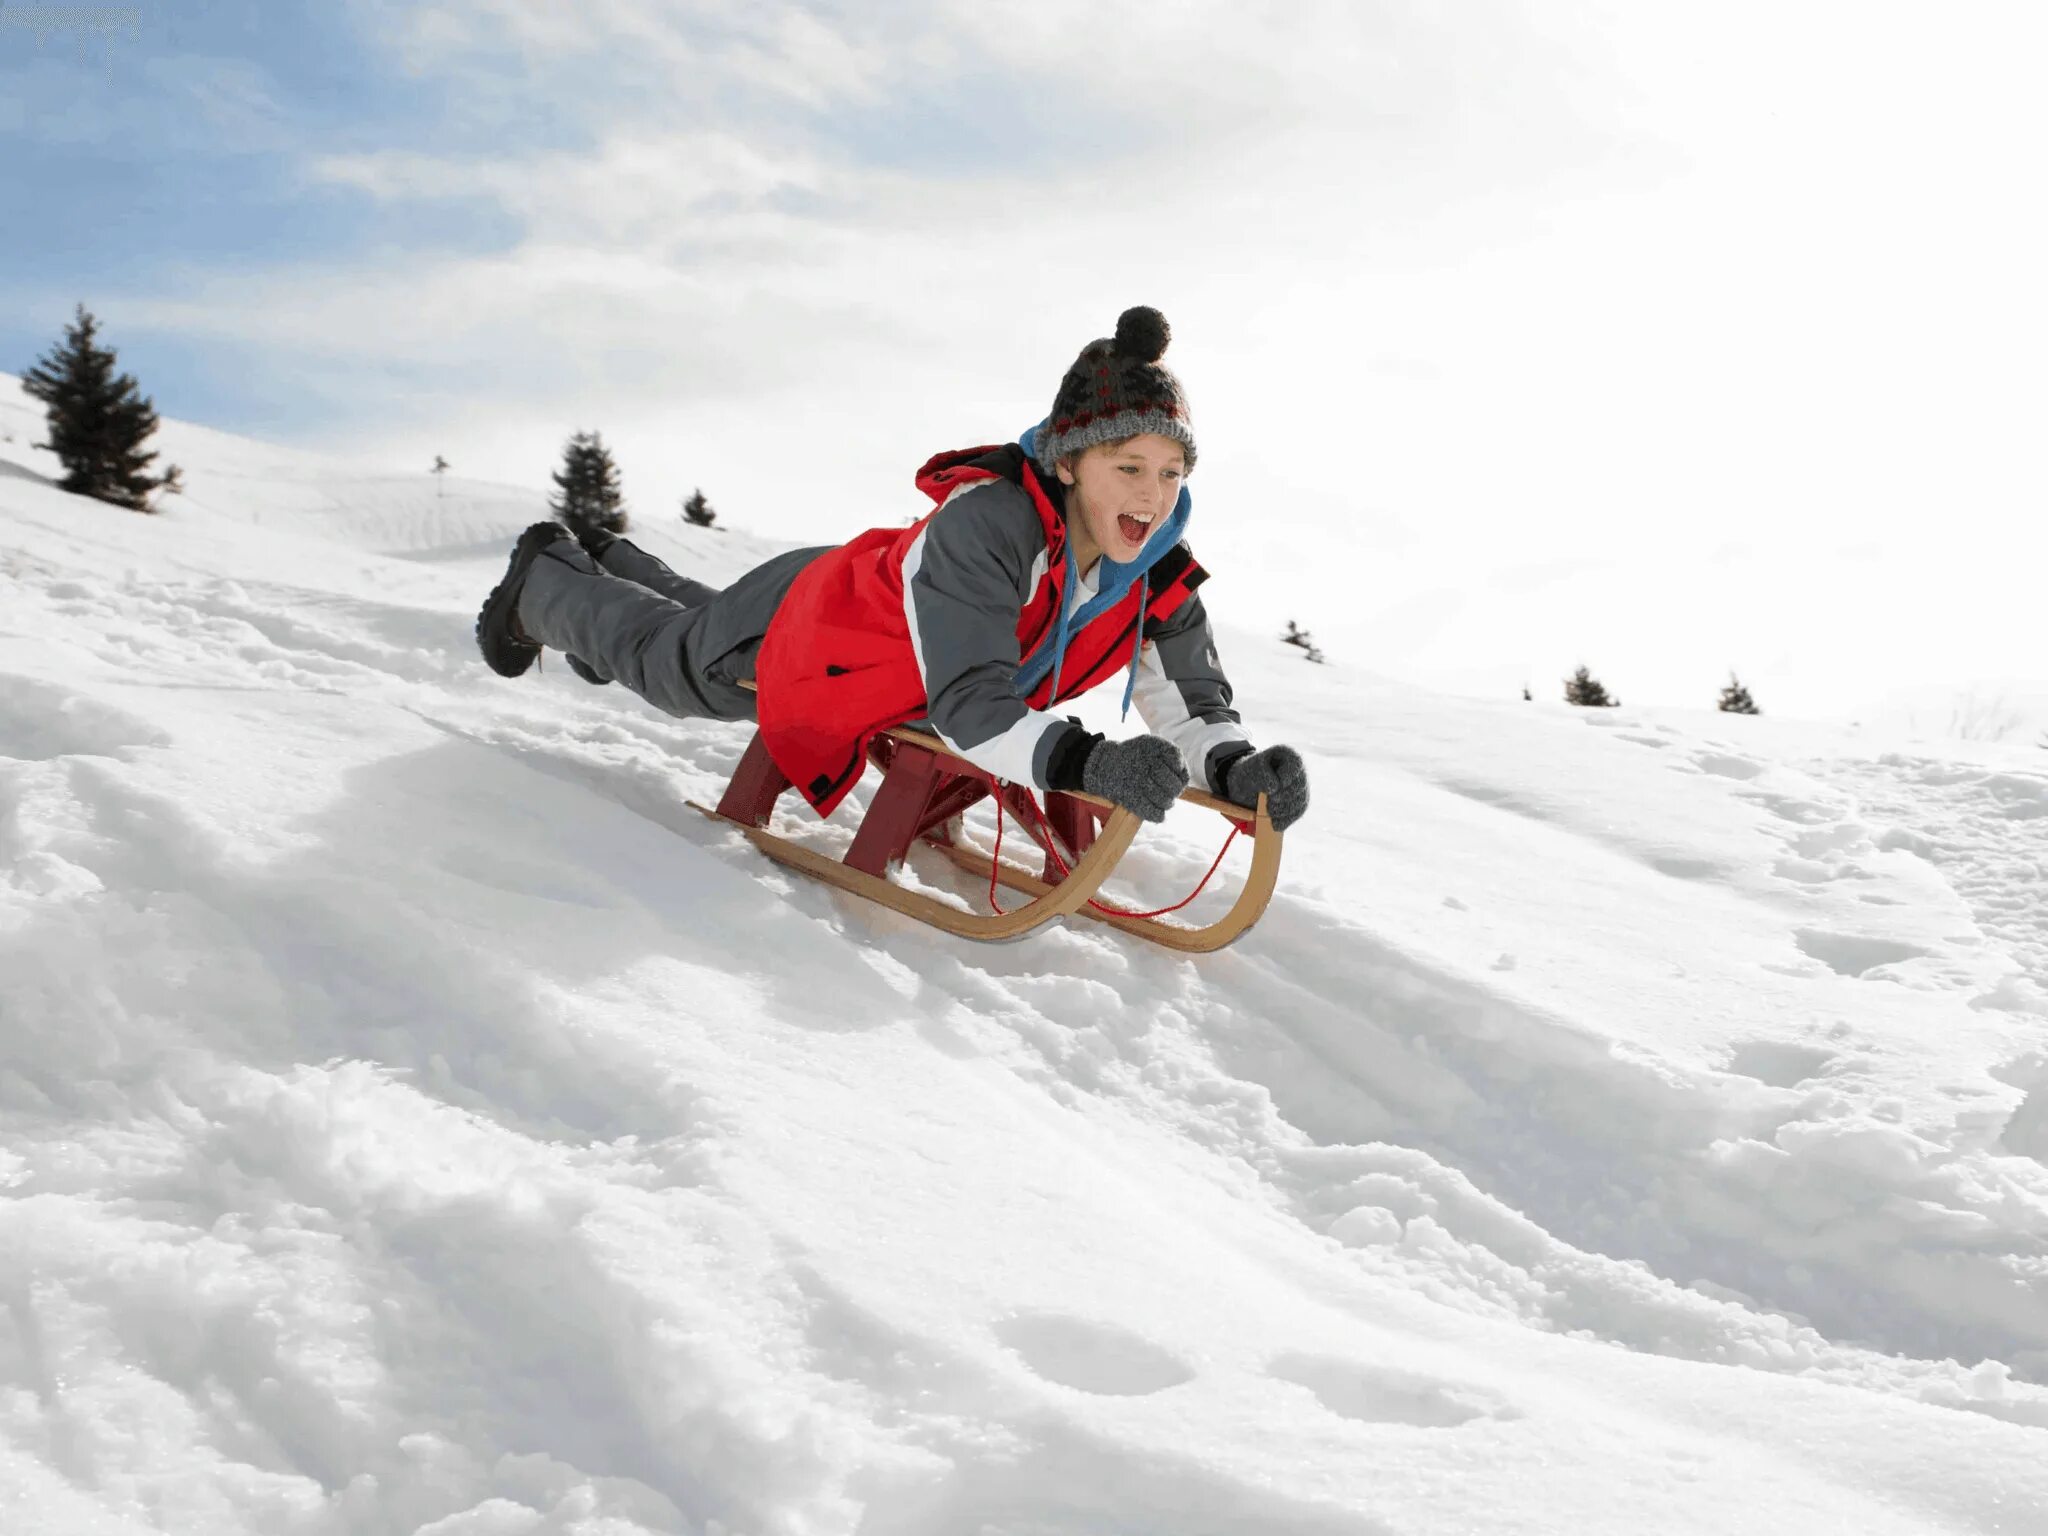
<point x="98" y="418"/>
<point x="698" y="511"/>
<point x="1735" y="699"/>
<point x="590" y="499"/>
<point x="1585" y="689"/>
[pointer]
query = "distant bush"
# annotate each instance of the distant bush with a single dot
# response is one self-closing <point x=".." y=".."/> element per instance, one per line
<point x="1584" y="689"/>
<point x="1973" y="717"/>
<point x="1735" y="699"/>
<point x="590" y="499"/>
<point x="1298" y="636"/>
<point x="698" y="511"/>
<point x="99" y="420"/>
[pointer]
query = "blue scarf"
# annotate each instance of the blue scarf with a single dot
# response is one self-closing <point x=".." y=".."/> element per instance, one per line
<point x="1112" y="581"/>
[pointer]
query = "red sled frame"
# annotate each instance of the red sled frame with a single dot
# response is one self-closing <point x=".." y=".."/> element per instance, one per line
<point x="926" y="787"/>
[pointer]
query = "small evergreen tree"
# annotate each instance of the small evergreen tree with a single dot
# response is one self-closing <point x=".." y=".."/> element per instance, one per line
<point x="590" y="500"/>
<point x="1296" y="635"/>
<point x="698" y="511"/>
<point x="1583" y="688"/>
<point x="439" y="470"/>
<point x="1735" y="699"/>
<point x="98" y="419"/>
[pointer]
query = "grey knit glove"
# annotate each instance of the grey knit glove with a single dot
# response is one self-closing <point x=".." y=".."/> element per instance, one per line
<point x="1277" y="773"/>
<point x="1145" y="773"/>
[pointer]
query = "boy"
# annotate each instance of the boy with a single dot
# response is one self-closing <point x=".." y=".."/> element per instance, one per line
<point x="1049" y="566"/>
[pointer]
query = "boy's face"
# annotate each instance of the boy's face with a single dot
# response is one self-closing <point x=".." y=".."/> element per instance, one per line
<point x="1122" y="493"/>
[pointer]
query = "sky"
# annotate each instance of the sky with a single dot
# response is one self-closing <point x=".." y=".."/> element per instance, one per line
<point x="1667" y="339"/>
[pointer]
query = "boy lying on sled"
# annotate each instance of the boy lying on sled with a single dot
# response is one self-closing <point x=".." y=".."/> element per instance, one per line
<point x="1049" y="566"/>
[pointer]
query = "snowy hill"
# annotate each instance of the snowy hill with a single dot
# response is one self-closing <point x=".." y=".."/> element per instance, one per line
<point x="414" y="1118"/>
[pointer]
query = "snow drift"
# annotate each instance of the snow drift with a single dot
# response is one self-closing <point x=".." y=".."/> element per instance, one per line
<point x="413" y="1118"/>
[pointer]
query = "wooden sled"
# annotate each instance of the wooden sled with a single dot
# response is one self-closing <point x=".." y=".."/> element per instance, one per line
<point x="926" y="787"/>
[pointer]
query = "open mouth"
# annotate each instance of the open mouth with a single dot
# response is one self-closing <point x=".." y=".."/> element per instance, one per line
<point x="1134" y="529"/>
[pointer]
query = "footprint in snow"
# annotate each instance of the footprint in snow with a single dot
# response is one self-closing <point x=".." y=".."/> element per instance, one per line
<point x="1792" y="808"/>
<point x="1726" y="765"/>
<point x="1804" y="872"/>
<point x="1679" y="867"/>
<point x="1838" y="838"/>
<point x="1851" y="954"/>
<point x="1779" y="1063"/>
<point x="1375" y="1394"/>
<point x="39" y="722"/>
<point x="1091" y="1357"/>
<point x="1821" y="855"/>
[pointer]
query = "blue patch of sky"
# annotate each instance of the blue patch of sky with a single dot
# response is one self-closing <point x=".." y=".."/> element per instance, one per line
<point x="147" y="144"/>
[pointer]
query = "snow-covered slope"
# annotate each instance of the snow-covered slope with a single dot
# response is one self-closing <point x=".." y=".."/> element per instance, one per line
<point x="414" y="1118"/>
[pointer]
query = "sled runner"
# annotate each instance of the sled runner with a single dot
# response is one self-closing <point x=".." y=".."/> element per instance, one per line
<point x="926" y="787"/>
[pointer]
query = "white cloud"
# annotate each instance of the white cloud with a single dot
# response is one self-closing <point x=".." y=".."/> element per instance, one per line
<point x="646" y="193"/>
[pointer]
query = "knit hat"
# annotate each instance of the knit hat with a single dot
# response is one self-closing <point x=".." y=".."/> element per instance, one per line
<point x="1116" y="390"/>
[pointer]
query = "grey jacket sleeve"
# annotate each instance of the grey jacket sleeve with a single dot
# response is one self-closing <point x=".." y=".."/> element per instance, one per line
<point x="966" y="579"/>
<point x="1183" y="695"/>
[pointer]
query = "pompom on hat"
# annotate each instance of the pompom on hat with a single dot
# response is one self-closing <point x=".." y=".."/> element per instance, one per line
<point x="1118" y="389"/>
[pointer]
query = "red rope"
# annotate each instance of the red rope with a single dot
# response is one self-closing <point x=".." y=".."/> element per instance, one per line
<point x="1043" y="836"/>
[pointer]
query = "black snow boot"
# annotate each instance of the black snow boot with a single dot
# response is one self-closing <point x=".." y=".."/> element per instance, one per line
<point x="507" y="650"/>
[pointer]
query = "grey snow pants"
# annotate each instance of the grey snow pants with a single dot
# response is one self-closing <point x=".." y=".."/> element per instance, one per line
<point x="682" y="646"/>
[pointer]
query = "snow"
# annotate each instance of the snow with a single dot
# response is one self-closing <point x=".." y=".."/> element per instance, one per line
<point x="415" y="1118"/>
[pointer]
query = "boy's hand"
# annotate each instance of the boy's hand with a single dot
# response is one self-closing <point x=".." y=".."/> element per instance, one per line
<point x="1279" y="774"/>
<point x="1145" y="774"/>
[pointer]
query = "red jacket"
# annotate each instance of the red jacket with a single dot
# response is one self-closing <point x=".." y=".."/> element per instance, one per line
<point x="837" y="665"/>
